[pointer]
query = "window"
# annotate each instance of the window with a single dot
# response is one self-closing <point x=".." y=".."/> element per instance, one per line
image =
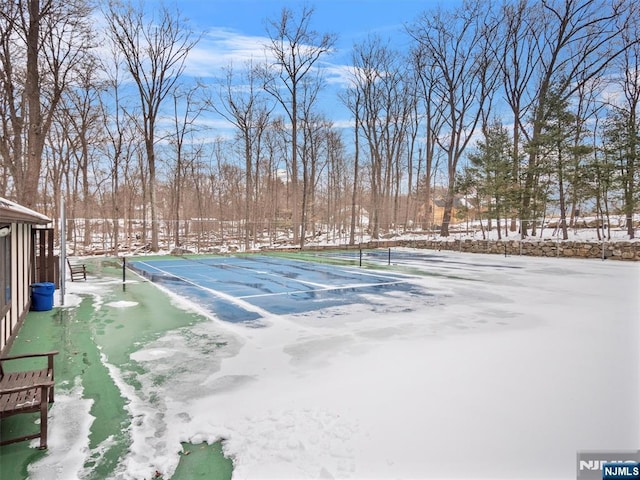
<point x="5" y="278"/>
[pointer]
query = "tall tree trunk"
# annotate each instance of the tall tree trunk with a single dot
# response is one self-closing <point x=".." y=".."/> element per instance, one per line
<point x="354" y="192"/>
<point x="151" y="160"/>
<point x="630" y="178"/>
<point x="563" y="208"/>
<point x="35" y="135"/>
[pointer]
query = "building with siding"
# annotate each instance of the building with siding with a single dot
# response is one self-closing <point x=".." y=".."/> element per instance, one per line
<point x="17" y="266"/>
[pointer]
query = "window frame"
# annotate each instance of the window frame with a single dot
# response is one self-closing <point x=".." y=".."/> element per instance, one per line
<point x="5" y="277"/>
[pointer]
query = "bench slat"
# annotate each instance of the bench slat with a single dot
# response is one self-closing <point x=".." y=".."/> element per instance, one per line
<point x="27" y="392"/>
<point x="20" y="402"/>
<point x="16" y="379"/>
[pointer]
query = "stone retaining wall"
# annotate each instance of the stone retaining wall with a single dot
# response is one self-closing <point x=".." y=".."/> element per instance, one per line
<point x="621" y="250"/>
<point x="539" y="248"/>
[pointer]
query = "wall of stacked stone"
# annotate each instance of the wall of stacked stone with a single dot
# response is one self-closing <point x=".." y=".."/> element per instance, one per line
<point x="620" y="250"/>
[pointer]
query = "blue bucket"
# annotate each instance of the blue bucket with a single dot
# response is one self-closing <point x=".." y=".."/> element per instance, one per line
<point x="42" y="296"/>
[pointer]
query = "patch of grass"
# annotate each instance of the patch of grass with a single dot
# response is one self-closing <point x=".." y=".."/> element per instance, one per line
<point x="203" y="461"/>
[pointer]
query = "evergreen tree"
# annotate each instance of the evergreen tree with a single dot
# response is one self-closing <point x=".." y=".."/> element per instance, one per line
<point x="622" y="147"/>
<point x="490" y="165"/>
<point x="561" y="151"/>
<point x="598" y="176"/>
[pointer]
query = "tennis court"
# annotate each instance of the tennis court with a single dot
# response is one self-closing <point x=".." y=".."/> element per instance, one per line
<point x="365" y="364"/>
<point x="246" y="288"/>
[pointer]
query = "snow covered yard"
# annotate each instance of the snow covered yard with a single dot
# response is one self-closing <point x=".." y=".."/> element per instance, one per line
<point x="488" y="367"/>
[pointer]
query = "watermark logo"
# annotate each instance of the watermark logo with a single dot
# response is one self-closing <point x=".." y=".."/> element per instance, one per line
<point x="599" y="465"/>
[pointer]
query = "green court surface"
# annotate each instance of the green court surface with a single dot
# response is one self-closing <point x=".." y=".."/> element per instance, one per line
<point x="83" y="333"/>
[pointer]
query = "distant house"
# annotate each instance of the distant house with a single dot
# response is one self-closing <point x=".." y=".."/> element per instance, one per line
<point x="433" y="212"/>
<point x="17" y="266"/>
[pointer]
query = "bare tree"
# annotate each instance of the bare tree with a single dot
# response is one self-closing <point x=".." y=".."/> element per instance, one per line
<point x="414" y="150"/>
<point x="515" y="53"/>
<point x="82" y="114"/>
<point x="315" y="130"/>
<point x="118" y="148"/>
<point x="188" y="105"/>
<point x="274" y="197"/>
<point x="337" y="184"/>
<point x="429" y="94"/>
<point x="155" y="50"/>
<point x="587" y="106"/>
<point x="574" y="42"/>
<point x="295" y="48"/>
<point x="352" y="99"/>
<point x="369" y="61"/>
<point x="628" y="115"/>
<point x="41" y="43"/>
<point x="57" y="159"/>
<point x="455" y="43"/>
<point x="242" y="105"/>
<point x="380" y="107"/>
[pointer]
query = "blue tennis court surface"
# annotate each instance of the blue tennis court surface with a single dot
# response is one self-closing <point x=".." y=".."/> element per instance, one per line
<point x="243" y="288"/>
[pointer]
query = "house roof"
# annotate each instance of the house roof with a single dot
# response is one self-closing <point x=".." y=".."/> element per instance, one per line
<point x="11" y="212"/>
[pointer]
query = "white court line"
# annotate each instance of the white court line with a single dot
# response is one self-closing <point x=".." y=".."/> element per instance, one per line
<point x="230" y="298"/>
<point x="180" y="265"/>
<point x="325" y="289"/>
<point x="320" y="287"/>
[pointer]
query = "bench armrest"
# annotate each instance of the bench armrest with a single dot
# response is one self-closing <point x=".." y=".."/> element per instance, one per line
<point x="48" y="355"/>
<point x="28" y="355"/>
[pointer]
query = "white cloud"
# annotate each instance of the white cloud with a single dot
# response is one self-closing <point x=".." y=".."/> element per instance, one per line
<point x="221" y="47"/>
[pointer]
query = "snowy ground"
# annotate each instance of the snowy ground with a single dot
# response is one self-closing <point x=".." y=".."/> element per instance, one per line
<point x="504" y="368"/>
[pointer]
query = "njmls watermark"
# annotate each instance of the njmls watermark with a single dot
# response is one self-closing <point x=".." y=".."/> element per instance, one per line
<point x="599" y="465"/>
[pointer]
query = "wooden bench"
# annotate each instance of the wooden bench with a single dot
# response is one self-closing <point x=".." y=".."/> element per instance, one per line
<point x="78" y="271"/>
<point x="27" y="392"/>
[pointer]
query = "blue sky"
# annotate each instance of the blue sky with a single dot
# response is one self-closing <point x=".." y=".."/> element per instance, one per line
<point x="235" y="31"/>
<point x="350" y="19"/>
